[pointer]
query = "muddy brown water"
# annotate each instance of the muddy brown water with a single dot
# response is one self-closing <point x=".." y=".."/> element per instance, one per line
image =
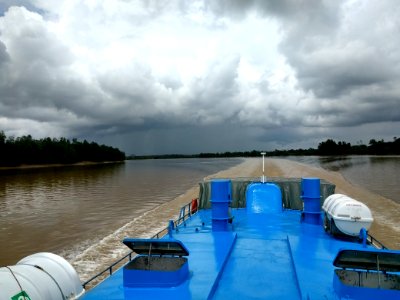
<point x="66" y="210"/>
<point x="83" y="212"/>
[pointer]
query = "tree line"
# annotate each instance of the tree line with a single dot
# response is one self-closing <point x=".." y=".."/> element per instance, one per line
<point x="26" y="150"/>
<point x="375" y="147"/>
<point x="328" y="147"/>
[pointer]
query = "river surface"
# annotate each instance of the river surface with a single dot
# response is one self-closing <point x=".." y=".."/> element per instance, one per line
<point x="379" y="174"/>
<point x="66" y="209"/>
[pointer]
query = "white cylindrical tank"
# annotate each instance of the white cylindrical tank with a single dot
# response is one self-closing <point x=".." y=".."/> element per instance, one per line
<point x="347" y="214"/>
<point x="41" y="276"/>
<point x="329" y="201"/>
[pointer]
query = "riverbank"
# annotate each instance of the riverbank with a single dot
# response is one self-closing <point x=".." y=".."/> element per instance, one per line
<point x="44" y="166"/>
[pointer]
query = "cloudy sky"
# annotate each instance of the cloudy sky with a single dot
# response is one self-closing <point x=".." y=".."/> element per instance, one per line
<point x="168" y="76"/>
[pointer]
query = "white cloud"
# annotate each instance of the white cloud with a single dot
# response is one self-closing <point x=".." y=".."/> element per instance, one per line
<point x="91" y="68"/>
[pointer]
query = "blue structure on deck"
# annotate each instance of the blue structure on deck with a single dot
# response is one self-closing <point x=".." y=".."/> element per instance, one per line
<point x="310" y="194"/>
<point x="268" y="252"/>
<point x="263" y="198"/>
<point x="220" y="200"/>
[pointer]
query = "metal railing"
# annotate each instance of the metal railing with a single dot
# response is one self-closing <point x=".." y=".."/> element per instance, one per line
<point x="373" y="241"/>
<point x="108" y="271"/>
<point x="185" y="213"/>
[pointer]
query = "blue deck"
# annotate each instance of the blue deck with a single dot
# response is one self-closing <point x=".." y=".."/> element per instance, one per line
<point x="262" y="256"/>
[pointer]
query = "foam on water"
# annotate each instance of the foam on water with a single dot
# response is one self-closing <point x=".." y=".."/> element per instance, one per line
<point x="89" y="261"/>
<point x="66" y="210"/>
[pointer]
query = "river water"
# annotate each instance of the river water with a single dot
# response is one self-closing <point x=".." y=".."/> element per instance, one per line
<point x="379" y="174"/>
<point x="67" y="209"/>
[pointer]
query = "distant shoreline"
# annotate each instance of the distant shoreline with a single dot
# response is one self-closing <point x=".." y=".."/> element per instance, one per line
<point x="43" y="166"/>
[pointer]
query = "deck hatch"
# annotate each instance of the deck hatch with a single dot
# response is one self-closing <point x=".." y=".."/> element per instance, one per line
<point x="367" y="274"/>
<point x="157" y="247"/>
<point x="159" y="263"/>
<point x="384" y="261"/>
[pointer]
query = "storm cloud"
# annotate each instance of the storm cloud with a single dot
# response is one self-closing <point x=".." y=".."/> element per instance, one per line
<point x="195" y="76"/>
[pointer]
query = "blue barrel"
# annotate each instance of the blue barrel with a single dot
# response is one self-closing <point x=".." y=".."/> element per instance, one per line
<point x="311" y="196"/>
<point x="220" y="199"/>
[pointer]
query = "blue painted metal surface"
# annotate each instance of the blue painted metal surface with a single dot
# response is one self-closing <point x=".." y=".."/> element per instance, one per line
<point x="263" y="198"/>
<point x="207" y="259"/>
<point x="310" y="187"/>
<point x="311" y="196"/>
<point x="220" y="200"/>
<point x="261" y="256"/>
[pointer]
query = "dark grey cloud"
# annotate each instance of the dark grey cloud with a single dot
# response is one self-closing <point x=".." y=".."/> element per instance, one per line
<point x="180" y="76"/>
<point x="188" y="139"/>
<point x="343" y="54"/>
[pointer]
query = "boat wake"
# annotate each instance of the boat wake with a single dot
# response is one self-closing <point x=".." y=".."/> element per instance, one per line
<point x="98" y="255"/>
